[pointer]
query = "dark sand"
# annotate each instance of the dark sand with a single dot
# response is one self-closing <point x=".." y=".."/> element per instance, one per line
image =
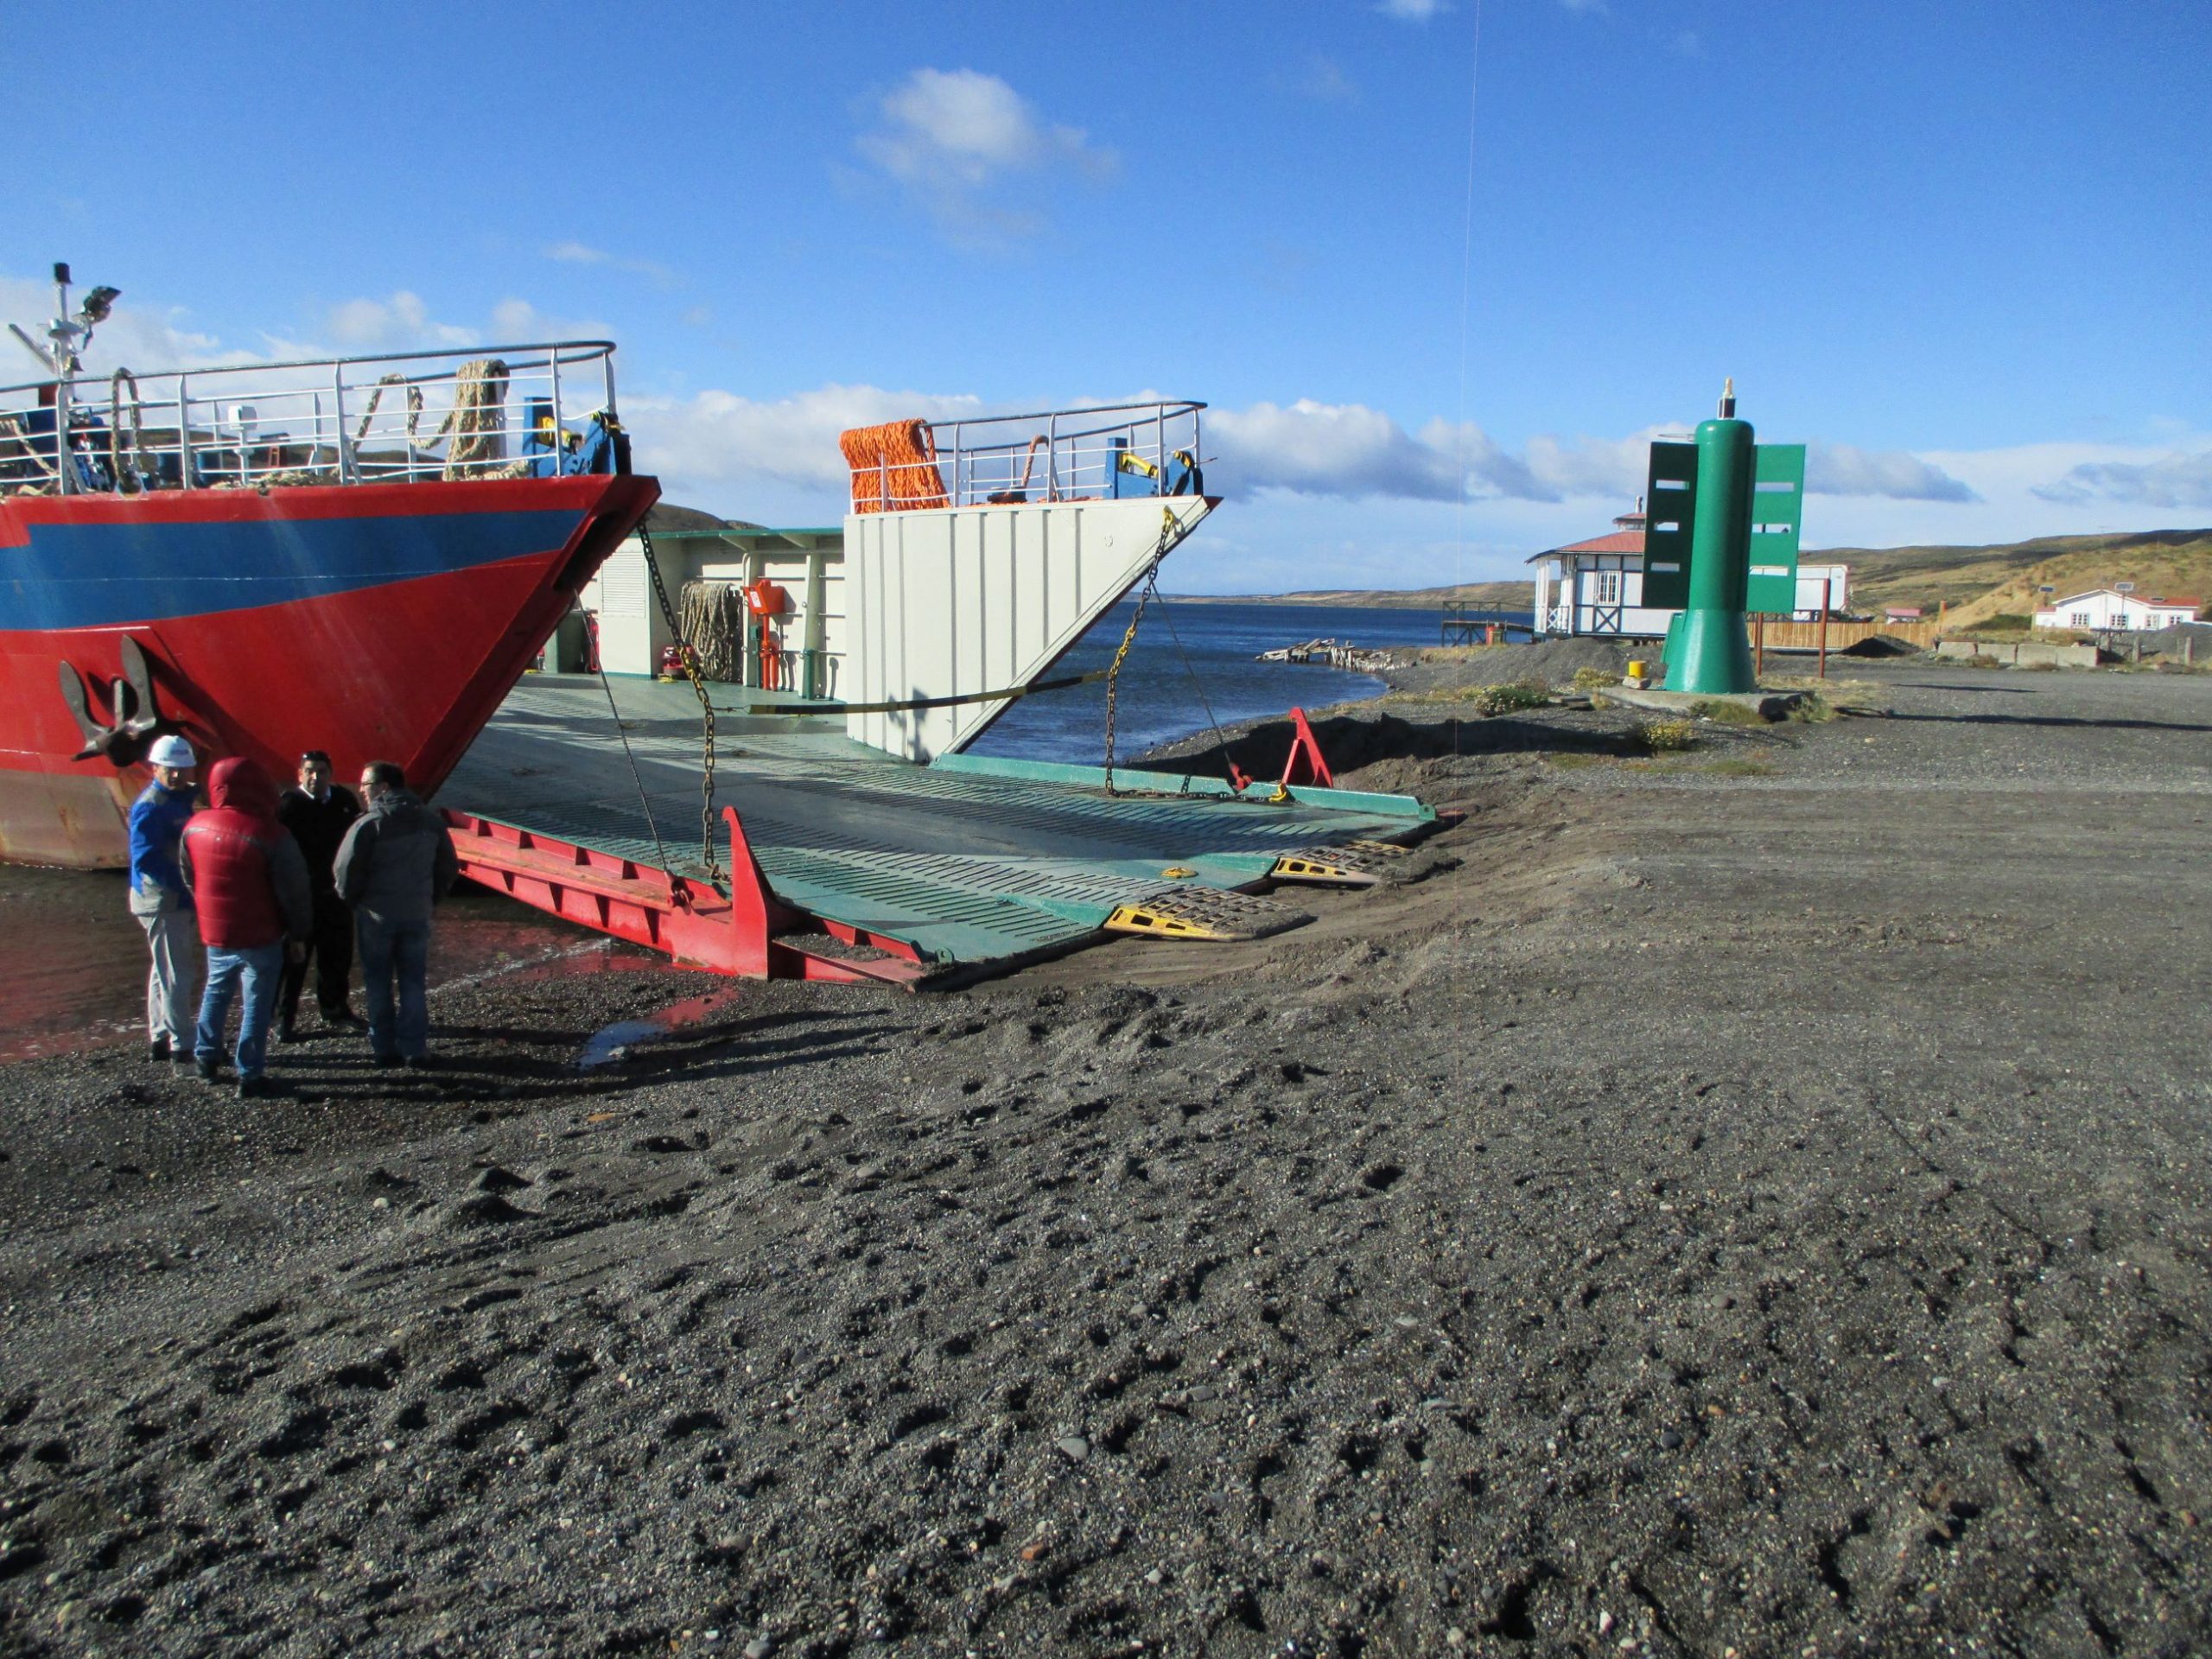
<point x="1754" y="1202"/>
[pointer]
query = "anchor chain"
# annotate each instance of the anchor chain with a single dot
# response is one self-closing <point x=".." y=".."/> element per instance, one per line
<point x="690" y="660"/>
<point x="1130" y="636"/>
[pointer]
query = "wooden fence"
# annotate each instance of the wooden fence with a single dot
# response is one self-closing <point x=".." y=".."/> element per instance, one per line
<point x="1806" y="636"/>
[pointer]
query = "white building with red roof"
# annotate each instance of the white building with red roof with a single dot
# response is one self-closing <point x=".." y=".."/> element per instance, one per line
<point x="1596" y="587"/>
<point x="2117" y="607"/>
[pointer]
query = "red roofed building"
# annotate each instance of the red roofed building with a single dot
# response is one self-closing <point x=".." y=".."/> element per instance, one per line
<point x="1596" y="587"/>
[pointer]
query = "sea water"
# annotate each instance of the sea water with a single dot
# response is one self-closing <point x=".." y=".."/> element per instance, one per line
<point x="1192" y="666"/>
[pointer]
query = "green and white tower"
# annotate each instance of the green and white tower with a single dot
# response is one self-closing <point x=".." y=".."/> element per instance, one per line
<point x="1722" y="519"/>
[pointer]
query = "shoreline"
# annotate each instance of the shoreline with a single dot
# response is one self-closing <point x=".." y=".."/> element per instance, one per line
<point x="1689" y="1193"/>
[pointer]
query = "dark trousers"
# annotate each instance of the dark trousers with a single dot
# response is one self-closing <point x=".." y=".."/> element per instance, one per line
<point x="400" y="952"/>
<point x="331" y="951"/>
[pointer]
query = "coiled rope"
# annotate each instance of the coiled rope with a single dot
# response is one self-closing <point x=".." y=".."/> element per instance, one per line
<point x="414" y="405"/>
<point x="142" y="463"/>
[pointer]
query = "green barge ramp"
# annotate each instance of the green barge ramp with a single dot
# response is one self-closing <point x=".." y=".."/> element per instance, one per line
<point x="822" y="857"/>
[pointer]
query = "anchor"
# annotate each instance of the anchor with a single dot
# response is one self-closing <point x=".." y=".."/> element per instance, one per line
<point x="135" y="715"/>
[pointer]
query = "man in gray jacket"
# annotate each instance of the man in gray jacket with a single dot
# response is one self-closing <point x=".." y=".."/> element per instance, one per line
<point x="395" y="863"/>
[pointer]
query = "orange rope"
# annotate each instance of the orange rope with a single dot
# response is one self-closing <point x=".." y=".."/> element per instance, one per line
<point x="897" y="460"/>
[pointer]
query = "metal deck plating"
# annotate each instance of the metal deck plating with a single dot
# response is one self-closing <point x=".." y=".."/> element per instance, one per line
<point x="970" y="860"/>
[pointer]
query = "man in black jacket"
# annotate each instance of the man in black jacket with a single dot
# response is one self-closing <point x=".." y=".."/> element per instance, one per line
<point x="319" y="813"/>
<point x="396" y="862"/>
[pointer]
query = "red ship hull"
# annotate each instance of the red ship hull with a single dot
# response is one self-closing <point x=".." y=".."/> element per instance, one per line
<point x="377" y="622"/>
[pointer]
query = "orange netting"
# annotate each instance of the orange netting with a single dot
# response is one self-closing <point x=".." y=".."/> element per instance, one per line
<point x="894" y="465"/>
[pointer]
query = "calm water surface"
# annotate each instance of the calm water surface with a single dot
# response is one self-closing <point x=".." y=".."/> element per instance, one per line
<point x="1189" y="655"/>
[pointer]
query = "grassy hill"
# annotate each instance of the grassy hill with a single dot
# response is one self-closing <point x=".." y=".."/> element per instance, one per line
<point x="1970" y="584"/>
<point x="1483" y="596"/>
<point x="1974" y="583"/>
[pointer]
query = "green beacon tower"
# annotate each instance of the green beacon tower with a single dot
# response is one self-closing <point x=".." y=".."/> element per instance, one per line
<point x="1720" y="541"/>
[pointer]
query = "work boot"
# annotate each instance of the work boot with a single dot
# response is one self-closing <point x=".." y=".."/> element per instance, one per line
<point x="262" y="1088"/>
<point x="387" y="1060"/>
<point x="417" y="1062"/>
<point x="158" y="1050"/>
<point x="287" y="1033"/>
<point x="342" y="1016"/>
<point x="209" y="1070"/>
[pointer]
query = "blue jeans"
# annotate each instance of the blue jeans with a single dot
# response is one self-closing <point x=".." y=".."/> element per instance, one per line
<point x="401" y="949"/>
<point x="254" y="973"/>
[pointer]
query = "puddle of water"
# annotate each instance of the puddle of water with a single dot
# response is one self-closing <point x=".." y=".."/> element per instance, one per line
<point x="614" y="1042"/>
<point x="72" y="963"/>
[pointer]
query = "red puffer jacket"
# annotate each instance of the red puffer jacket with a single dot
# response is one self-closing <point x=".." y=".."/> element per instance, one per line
<point x="249" y="882"/>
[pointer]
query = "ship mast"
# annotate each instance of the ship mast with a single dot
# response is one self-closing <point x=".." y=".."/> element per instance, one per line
<point x="62" y="356"/>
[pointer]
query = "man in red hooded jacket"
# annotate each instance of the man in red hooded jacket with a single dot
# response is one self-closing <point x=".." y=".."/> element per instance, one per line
<point x="249" y="888"/>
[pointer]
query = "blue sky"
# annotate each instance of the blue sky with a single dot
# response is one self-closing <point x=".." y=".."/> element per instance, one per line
<point x="1961" y="250"/>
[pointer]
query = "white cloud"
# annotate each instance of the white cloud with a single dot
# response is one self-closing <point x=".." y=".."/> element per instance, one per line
<point x="718" y="442"/>
<point x="714" y="447"/>
<point x="1340" y="450"/>
<point x="1322" y="79"/>
<point x="400" y="323"/>
<point x="1585" y="469"/>
<point x="2182" y="479"/>
<point x="1840" y="469"/>
<point x="519" y="320"/>
<point x="583" y="253"/>
<point x="141" y="338"/>
<point x="403" y="323"/>
<point x="955" y="139"/>
<point x="1412" y="11"/>
<point x="1353" y="451"/>
<point x="1346" y="495"/>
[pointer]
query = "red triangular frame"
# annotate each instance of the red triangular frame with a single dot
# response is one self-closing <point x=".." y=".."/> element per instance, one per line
<point x="1305" y="763"/>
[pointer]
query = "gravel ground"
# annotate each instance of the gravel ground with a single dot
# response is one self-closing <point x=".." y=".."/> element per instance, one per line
<point x="1750" y="1201"/>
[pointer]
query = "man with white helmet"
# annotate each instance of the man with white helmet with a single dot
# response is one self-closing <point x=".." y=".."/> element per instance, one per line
<point x="161" y="901"/>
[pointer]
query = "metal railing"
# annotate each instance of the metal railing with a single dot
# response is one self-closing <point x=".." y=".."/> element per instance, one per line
<point x="503" y="411"/>
<point x="1106" y="452"/>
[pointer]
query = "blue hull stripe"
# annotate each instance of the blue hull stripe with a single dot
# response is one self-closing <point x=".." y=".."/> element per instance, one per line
<point x="96" y="575"/>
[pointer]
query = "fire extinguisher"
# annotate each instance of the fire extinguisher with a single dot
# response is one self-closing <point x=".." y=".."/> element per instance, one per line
<point x="765" y="600"/>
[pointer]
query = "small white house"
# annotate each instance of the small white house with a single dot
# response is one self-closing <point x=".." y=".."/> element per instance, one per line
<point x="2108" y="607"/>
<point x="1596" y="587"/>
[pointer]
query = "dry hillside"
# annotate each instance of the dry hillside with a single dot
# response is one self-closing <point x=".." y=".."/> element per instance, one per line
<point x="1978" y="583"/>
<point x="1972" y="584"/>
<point x="1484" y="595"/>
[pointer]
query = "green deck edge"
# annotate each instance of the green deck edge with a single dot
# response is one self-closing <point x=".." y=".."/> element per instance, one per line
<point x="971" y="861"/>
<point x="1056" y="772"/>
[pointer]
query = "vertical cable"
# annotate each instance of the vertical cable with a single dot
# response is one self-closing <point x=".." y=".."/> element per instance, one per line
<point x="1460" y="523"/>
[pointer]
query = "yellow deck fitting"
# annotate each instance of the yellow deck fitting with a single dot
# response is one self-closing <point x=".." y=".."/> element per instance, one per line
<point x="1355" y="864"/>
<point x="1201" y="912"/>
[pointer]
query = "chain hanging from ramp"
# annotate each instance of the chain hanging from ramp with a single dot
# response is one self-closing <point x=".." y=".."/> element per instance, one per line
<point x="1203" y="912"/>
<point x="1129" y="638"/>
<point x="1171" y="534"/>
<point x="690" y="659"/>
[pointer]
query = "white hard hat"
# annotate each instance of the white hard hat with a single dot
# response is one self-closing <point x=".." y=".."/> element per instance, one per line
<point x="172" y="752"/>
